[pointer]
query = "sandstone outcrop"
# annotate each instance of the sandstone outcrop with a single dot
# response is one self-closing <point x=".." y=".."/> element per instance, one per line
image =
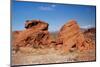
<point x="35" y="35"/>
<point x="70" y="37"/>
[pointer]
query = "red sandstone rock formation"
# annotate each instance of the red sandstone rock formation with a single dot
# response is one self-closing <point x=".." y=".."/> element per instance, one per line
<point x="35" y="35"/>
<point x="70" y="37"/>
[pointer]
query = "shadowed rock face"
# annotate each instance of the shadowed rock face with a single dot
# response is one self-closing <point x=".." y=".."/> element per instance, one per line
<point x="36" y="24"/>
<point x="70" y="37"/>
<point x="35" y="35"/>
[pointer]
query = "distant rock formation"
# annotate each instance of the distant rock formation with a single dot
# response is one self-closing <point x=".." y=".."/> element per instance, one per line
<point x="35" y="35"/>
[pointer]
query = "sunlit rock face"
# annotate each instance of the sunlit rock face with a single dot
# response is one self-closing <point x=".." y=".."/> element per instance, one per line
<point x="35" y="35"/>
<point x="70" y="37"/>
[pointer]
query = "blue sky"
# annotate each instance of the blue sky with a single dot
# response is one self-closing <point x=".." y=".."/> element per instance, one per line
<point x="56" y="15"/>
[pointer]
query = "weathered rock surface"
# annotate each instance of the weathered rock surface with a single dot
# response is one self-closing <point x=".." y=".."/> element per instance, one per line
<point x="35" y="35"/>
<point x="70" y="37"/>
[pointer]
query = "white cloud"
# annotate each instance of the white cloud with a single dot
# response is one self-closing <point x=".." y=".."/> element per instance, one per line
<point x="87" y="26"/>
<point x="47" y="8"/>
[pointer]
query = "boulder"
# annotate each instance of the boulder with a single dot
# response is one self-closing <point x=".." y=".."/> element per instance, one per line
<point x="70" y="36"/>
